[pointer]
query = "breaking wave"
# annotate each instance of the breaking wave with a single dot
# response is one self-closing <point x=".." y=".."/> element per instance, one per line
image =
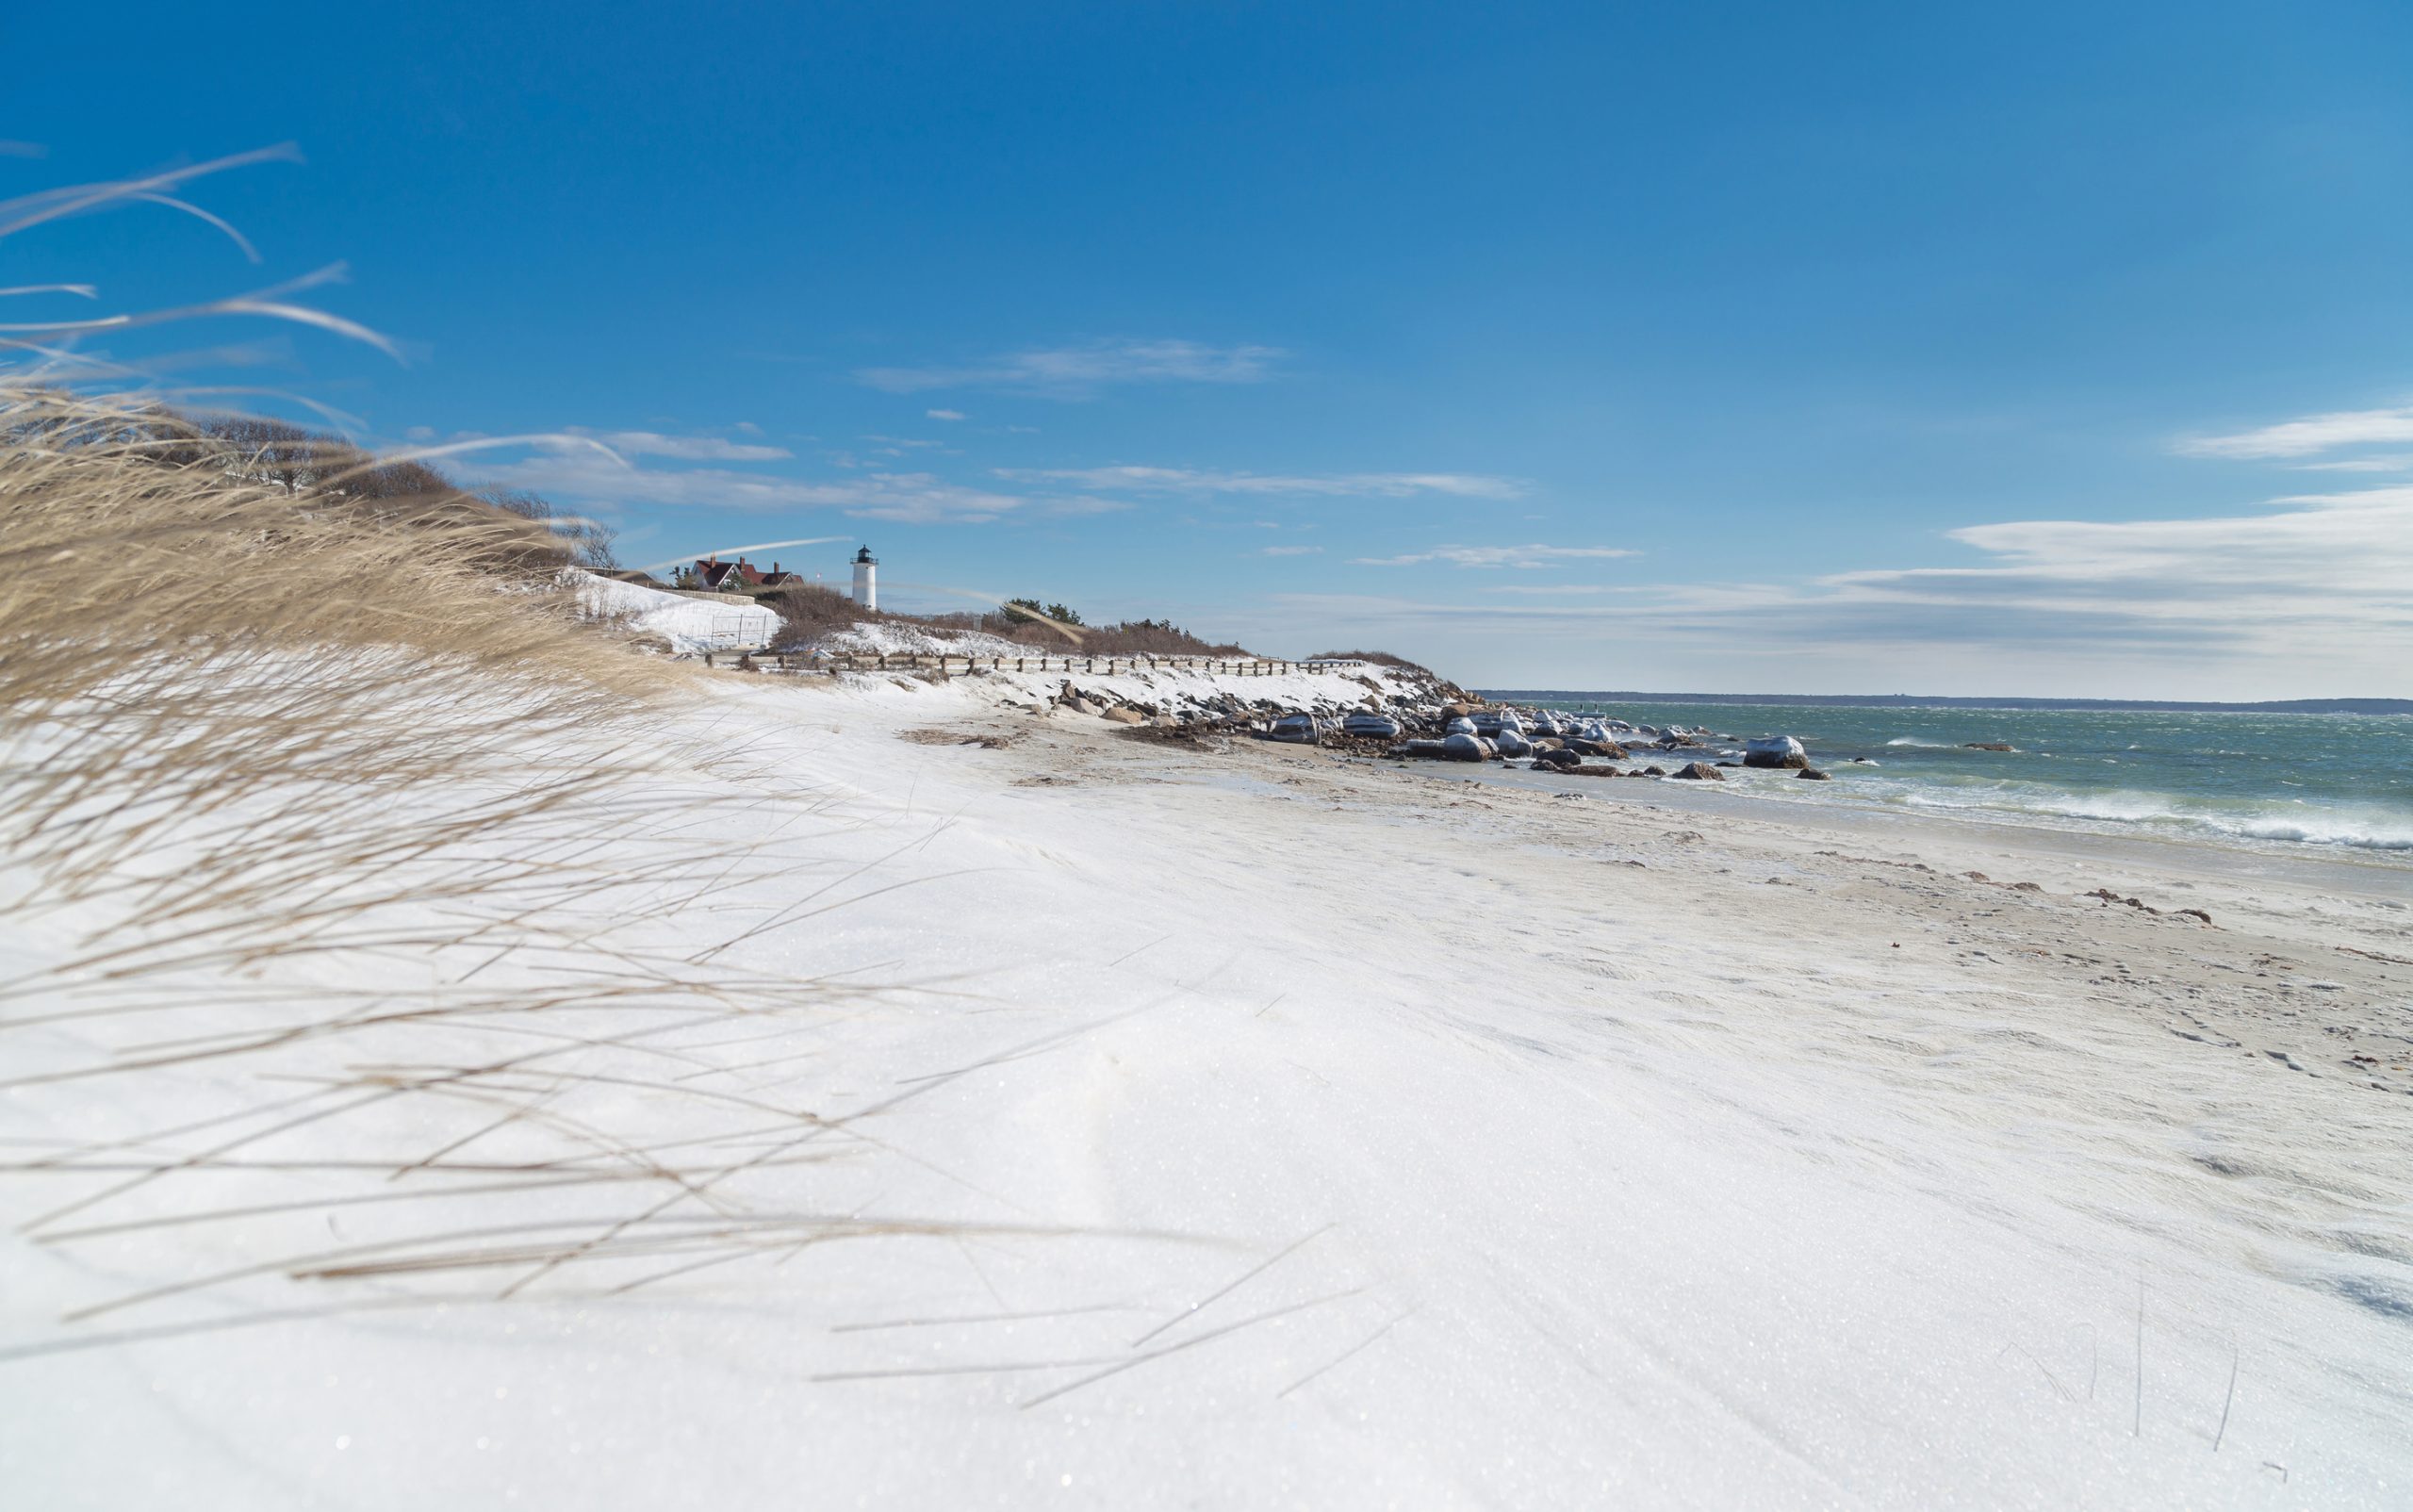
<point x="2238" y="778"/>
<point x="2302" y="824"/>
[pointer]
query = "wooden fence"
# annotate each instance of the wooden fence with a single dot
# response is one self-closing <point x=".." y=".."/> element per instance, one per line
<point x="951" y="665"/>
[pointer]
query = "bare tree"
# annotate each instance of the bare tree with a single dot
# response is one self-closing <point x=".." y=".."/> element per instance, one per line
<point x="589" y="541"/>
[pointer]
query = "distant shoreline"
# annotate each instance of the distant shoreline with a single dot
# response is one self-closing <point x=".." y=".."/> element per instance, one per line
<point x="2382" y="707"/>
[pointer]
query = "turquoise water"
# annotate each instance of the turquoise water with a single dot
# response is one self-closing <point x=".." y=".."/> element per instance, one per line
<point x="2282" y="780"/>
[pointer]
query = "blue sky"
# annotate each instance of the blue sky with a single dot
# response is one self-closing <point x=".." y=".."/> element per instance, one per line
<point x="2023" y="350"/>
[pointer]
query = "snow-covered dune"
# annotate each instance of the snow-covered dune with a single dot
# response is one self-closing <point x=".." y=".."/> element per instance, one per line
<point x="690" y="624"/>
<point x="1159" y="1131"/>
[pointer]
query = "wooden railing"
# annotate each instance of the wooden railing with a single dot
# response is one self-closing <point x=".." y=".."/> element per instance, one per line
<point x="953" y="665"/>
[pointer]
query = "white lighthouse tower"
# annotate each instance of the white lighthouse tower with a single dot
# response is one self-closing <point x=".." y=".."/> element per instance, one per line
<point x="867" y="578"/>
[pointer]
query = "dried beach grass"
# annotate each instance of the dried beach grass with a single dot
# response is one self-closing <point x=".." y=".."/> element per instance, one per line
<point x="332" y="818"/>
<point x="372" y="930"/>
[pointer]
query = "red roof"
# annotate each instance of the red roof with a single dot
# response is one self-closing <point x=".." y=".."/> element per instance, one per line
<point x="714" y="573"/>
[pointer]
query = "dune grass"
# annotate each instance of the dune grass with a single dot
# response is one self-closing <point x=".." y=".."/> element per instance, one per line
<point x="327" y="817"/>
<point x="370" y="919"/>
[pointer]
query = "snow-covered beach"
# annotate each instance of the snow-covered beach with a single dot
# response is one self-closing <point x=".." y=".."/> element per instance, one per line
<point x="1252" y="1125"/>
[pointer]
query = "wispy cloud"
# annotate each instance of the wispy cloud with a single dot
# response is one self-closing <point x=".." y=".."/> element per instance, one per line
<point x="1329" y="484"/>
<point x="1288" y="551"/>
<point x="1495" y="556"/>
<point x="2393" y="462"/>
<point x="1078" y="504"/>
<point x="943" y="414"/>
<point x="917" y="497"/>
<point x="1079" y="371"/>
<point x="2308" y="436"/>
<point x="2312" y="594"/>
<point x="684" y="448"/>
<point x="2343" y="556"/>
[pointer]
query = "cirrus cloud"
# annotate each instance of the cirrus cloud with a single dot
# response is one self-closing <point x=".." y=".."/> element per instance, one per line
<point x="1495" y="556"/>
<point x="684" y="448"/>
<point x="2308" y="436"/>
<point x="914" y="498"/>
<point x="1080" y="371"/>
<point x="1329" y="485"/>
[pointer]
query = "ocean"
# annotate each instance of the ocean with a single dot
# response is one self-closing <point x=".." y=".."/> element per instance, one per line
<point x="2281" y="779"/>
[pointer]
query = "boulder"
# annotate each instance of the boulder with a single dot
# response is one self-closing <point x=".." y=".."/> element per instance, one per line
<point x="1782" y="752"/>
<point x="1081" y="705"/>
<point x="1124" y="716"/>
<point x="1464" y="748"/>
<point x="1987" y="744"/>
<point x="1660" y="771"/>
<point x="1700" y="772"/>
<point x="1559" y="760"/>
<point x="1811" y="774"/>
<point x="1606" y="750"/>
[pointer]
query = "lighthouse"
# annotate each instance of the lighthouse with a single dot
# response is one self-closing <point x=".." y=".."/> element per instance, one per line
<point x="867" y="578"/>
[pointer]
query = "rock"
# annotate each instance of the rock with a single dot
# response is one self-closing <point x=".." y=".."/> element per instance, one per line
<point x="1081" y="705"/>
<point x="1811" y="774"/>
<point x="1660" y="771"/>
<point x="1558" y="760"/>
<point x="1987" y="744"/>
<point x="1606" y="750"/>
<point x="1124" y="716"/>
<point x="1735" y="765"/>
<point x="1464" y="748"/>
<point x="1700" y="772"/>
<point x="1781" y="752"/>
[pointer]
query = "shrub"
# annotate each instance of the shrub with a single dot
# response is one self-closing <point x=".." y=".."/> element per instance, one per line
<point x="1378" y="658"/>
<point x="809" y="611"/>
